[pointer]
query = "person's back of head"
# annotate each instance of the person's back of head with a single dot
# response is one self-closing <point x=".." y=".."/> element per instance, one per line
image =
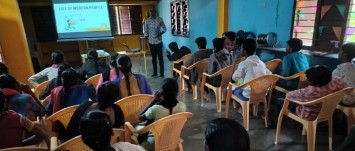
<point x="113" y="58"/>
<point x="107" y="94"/>
<point x="96" y="130"/>
<point x="201" y="42"/>
<point x="348" y="50"/>
<point x="57" y="57"/>
<point x="295" y="44"/>
<point x="8" y="81"/>
<point x="3" y="69"/>
<point x="125" y="65"/>
<point x="69" y="78"/>
<point x="92" y="54"/>
<point x="218" y="44"/>
<point x="223" y="134"/>
<point x="239" y="42"/>
<point x="61" y="68"/>
<point x="319" y="75"/>
<point x="230" y="35"/>
<point x="173" y="46"/>
<point x="170" y="91"/>
<point x="249" y="47"/>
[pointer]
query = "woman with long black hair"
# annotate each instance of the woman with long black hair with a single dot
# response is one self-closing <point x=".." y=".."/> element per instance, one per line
<point x="106" y="98"/>
<point x="165" y="103"/>
<point x="70" y="93"/>
<point x="130" y="83"/>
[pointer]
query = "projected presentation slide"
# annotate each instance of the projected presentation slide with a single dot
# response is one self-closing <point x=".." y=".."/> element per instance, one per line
<point x="82" y="18"/>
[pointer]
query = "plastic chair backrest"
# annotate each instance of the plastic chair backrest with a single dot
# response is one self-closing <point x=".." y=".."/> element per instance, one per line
<point x="273" y="64"/>
<point x="330" y="101"/>
<point x="226" y="78"/>
<point x="201" y="67"/>
<point x="133" y="105"/>
<point x="94" y="80"/>
<point x="40" y="88"/>
<point x="167" y="131"/>
<point x="260" y="86"/>
<point x="63" y="116"/>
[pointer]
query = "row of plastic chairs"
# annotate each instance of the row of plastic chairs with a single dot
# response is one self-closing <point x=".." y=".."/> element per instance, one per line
<point x="263" y="86"/>
<point x="131" y="107"/>
<point x="201" y="67"/>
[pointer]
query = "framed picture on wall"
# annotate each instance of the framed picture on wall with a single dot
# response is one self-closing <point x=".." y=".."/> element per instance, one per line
<point x="179" y="14"/>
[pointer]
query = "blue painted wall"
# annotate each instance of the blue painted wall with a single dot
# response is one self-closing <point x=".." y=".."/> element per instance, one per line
<point x="262" y="16"/>
<point x="203" y="22"/>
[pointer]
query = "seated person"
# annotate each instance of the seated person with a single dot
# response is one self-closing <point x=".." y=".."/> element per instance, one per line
<point x="96" y="131"/>
<point x="106" y="97"/>
<point x="230" y="43"/>
<point x="201" y="54"/>
<point x="346" y="70"/>
<point x="57" y="58"/>
<point x="130" y="83"/>
<point x="13" y="126"/>
<point x="70" y="93"/>
<point x="23" y="104"/>
<point x="227" y="135"/>
<point x="321" y="84"/>
<point x="249" y="69"/>
<point x="94" y="65"/>
<point x="110" y="74"/>
<point x="165" y="103"/>
<point x="293" y="63"/>
<point x="57" y="81"/>
<point x="219" y="59"/>
<point x="3" y="69"/>
<point x="177" y="54"/>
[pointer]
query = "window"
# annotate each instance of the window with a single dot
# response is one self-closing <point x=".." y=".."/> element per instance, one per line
<point x="126" y="20"/>
<point x="305" y="15"/>
<point x="350" y="28"/>
<point x="324" y="25"/>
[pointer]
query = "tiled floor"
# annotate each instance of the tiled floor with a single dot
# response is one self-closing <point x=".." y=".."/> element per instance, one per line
<point x="261" y="138"/>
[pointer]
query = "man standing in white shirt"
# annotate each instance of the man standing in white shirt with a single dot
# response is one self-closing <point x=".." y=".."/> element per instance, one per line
<point x="154" y="27"/>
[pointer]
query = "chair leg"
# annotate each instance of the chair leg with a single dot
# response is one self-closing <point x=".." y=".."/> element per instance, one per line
<point x="245" y="109"/>
<point x="180" y="147"/>
<point x="181" y="85"/>
<point x="278" y="127"/>
<point x="228" y="99"/>
<point x="311" y="135"/>
<point x="202" y="91"/>
<point x="349" y="120"/>
<point x="266" y="115"/>
<point x="194" y="91"/>
<point x="218" y="100"/>
<point x="330" y="131"/>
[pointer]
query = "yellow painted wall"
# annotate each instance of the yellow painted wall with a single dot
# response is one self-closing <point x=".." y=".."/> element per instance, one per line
<point x="13" y="41"/>
<point x="222" y="17"/>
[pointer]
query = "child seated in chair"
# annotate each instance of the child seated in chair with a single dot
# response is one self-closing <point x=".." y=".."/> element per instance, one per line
<point x="321" y="84"/>
<point x="346" y="71"/>
<point x="293" y="63"/>
<point x="252" y="67"/>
